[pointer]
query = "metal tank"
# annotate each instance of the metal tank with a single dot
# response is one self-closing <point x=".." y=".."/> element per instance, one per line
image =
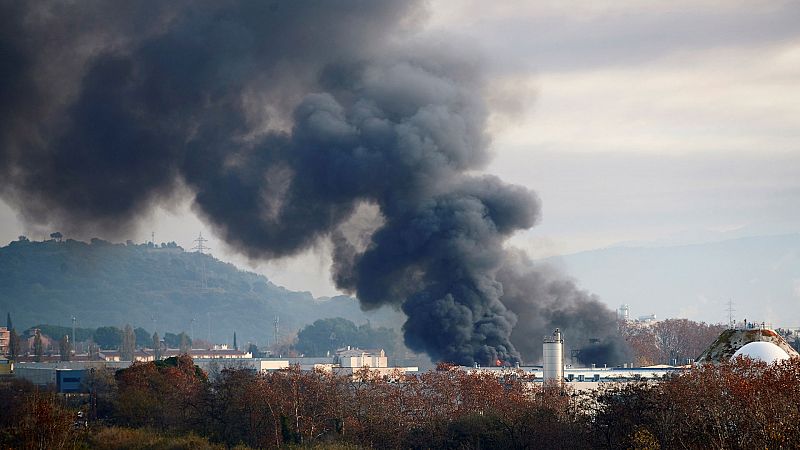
<point x="624" y="313"/>
<point x="553" y="357"/>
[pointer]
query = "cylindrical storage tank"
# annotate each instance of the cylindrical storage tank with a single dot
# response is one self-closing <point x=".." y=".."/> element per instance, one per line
<point x="553" y="357"/>
<point x="624" y="312"/>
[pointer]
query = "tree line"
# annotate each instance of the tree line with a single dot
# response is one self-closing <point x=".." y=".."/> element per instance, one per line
<point x="669" y="341"/>
<point x="321" y="338"/>
<point x="742" y="404"/>
<point x="42" y="340"/>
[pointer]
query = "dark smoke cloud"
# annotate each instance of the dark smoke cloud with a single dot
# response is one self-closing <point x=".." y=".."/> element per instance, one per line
<point x="283" y="120"/>
<point x="543" y="299"/>
<point x="105" y="102"/>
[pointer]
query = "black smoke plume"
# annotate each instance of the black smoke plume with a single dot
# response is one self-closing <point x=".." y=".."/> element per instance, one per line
<point x="542" y="299"/>
<point x="283" y="120"/>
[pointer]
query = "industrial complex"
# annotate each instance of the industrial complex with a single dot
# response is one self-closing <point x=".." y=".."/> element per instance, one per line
<point x="745" y="340"/>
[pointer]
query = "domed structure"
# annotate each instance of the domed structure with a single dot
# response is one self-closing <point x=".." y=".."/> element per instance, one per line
<point x="762" y="351"/>
<point x="733" y="339"/>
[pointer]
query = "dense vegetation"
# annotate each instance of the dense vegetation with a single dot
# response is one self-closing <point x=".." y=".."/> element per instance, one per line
<point x="670" y="341"/>
<point x="153" y="287"/>
<point x="325" y="336"/>
<point x="57" y="331"/>
<point x="743" y="404"/>
<point x="164" y="289"/>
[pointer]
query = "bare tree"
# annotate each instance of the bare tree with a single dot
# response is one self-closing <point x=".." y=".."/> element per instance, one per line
<point x="683" y="339"/>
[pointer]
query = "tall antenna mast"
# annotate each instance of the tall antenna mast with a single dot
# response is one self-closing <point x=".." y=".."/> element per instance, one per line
<point x="275" y="332"/>
<point x="730" y="310"/>
<point x="208" y="313"/>
<point x="74" y="349"/>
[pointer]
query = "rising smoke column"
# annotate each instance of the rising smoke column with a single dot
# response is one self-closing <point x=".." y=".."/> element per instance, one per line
<point x="544" y="299"/>
<point x="282" y="120"/>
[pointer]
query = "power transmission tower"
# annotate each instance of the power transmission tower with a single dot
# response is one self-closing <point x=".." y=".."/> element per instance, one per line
<point x="202" y="249"/>
<point x="201" y="244"/>
<point x="730" y="311"/>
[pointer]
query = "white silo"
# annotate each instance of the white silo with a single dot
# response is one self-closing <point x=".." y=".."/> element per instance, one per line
<point x="553" y="357"/>
<point x="623" y="313"/>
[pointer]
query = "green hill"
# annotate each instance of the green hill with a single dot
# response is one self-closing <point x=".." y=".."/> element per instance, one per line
<point x="101" y="283"/>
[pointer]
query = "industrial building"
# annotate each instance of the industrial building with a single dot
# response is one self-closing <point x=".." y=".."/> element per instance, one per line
<point x="63" y="380"/>
<point x="146" y="355"/>
<point x="583" y="378"/>
<point x="755" y="341"/>
<point x="356" y="357"/>
<point x="554" y="369"/>
<point x="67" y="375"/>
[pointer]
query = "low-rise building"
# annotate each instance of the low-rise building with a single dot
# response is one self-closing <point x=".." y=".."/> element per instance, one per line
<point x="214" y="366"/>
<point x="356" y="357"/>
<point x="584" y="378"/>
<point x="63" y="380"/>
<point x="147" y="355"/>
<point x="116" y="355"/>
<point x="222" y="353"/>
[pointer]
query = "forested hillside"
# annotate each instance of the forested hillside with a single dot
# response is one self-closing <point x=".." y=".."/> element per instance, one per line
<point x="101" y="283"/>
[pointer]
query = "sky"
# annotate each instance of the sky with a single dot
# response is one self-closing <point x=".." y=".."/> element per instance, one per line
<point x="635" y="122"/>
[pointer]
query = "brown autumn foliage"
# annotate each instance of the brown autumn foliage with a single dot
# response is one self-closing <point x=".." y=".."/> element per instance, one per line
<point x="668" y="340"/>
<point x="430" y="410"/>
<point x="32" y="418"/>
<point x="740" y="404"/>
<point x="168" y="394"/>
<point x="728" y="406"/>
<point x="170" y="405"/>
<point x="268" y="410"/>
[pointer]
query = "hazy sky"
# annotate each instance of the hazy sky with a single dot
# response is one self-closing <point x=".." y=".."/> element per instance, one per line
<point x="634" y="121"/>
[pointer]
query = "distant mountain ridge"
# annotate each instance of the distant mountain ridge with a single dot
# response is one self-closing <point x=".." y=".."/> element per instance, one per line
<point x="760" y="274"/>
<point x="101" y="283"/>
